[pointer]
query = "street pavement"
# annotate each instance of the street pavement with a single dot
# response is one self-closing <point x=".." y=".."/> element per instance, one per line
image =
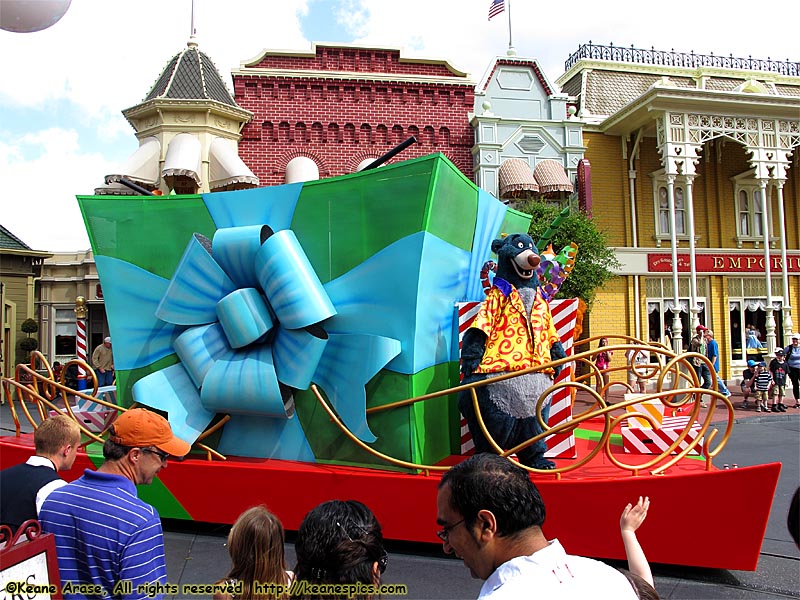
<point x="196" y="552"/>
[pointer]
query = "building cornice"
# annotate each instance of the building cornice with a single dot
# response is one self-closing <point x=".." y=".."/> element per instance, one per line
<point x="248" y="64"/>
<point x="659" y="99"/>
<point x="696" y="73"/>
<point x="350" y="76"/>
<point x="199" y="106"/>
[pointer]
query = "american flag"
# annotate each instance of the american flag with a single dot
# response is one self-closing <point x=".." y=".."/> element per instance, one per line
<point x="496" y="8"/>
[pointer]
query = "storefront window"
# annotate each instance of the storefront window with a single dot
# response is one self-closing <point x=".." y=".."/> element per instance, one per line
<point x="748" y="318"/>
<point x="661" y="316"/>
<point x="65" y="333"/>
<point x="737" y="330"/>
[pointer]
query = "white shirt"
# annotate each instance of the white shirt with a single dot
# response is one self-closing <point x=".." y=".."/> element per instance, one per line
<point x="44" y="491"/>
<point x="551" y="573"/>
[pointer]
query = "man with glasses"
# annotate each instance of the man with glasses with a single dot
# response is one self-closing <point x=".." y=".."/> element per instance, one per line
<point x="491" y="516"/>
<point x="109" y="542"/>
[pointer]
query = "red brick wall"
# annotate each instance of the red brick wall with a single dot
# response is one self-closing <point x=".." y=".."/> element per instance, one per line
<point x="340" y="121"/>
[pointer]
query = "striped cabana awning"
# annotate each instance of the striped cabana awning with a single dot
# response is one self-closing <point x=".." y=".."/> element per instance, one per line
<point x="516" y="180"/>
<point x="551" y="177"/>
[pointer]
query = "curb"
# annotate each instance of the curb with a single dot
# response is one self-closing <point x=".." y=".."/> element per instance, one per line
<point x="762" y="419"/>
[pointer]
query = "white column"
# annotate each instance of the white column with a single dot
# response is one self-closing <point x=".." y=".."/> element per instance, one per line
<point x="767" y="268"/>
<point x="788" y="325"/>
<point x="695" y="309"/>
<point x="677" y="327"/>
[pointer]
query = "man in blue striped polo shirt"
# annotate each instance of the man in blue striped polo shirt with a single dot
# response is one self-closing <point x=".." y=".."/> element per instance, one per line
<point x="109" y="542"/>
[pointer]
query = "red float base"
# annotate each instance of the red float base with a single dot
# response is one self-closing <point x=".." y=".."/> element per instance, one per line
<point x="695" y="516"/>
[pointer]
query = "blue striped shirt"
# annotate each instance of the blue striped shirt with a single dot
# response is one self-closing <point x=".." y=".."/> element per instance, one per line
<point x="105" y="535"/>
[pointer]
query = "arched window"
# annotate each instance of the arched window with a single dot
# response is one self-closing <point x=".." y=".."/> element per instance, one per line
<point x="749" y="208"/>
<point x="661" y="206"/>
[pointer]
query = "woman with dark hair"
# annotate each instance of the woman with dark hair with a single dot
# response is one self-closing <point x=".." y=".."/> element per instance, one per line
<point x="256" y="546"/>
<point x="340" y="542"/>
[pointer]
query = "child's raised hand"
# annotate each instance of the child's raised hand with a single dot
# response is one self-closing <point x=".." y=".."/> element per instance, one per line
<point x="634" y="515"/>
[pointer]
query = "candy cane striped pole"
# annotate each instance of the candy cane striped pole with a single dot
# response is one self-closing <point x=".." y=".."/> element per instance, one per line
<point x="80" y="314"/>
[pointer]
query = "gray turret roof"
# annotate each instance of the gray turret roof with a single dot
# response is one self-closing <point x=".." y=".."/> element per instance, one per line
<point x="191" y="75"/>
<point x="10" y="241"/>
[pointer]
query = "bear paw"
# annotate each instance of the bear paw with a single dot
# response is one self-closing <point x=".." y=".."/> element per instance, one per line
<point x="543" y="463"/>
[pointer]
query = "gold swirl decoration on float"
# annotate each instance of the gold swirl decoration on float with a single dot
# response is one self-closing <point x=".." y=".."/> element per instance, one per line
<point x="672" y="377"/>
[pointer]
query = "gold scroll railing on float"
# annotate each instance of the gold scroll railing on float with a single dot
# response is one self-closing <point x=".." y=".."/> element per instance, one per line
<point x="36" y="384"/>
<point x="675" y="383"/>
<point x="674" y="380"/>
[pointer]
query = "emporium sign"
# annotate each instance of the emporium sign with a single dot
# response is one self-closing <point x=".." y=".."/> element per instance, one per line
<point x="721" y="263"/>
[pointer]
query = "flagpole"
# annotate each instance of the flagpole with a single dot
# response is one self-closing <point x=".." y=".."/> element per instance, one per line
<point x="511" y="51"/>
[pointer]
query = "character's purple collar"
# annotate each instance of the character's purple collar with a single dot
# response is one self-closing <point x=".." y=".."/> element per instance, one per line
<point x="503" y="285"/>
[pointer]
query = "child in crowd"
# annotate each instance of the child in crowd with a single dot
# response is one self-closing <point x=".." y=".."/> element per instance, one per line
<point x="57" y="368"/>
<point x="640" y="575"/>
<point x="747" y="382"/>
<point x="763" y="382"/>
<point x="602" y="360"/>
<point x="256" y="546"/>
<point x="638" y="373"/>
<point x="778" y="370"/>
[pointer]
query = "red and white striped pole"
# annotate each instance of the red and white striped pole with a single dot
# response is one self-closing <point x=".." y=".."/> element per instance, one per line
<point x="80" y="314"/>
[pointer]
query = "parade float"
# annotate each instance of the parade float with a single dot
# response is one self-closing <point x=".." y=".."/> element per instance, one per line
<point x="305" y="339"/>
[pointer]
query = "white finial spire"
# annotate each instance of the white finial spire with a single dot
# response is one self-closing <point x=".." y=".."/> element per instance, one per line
<point x="192" y="37"/>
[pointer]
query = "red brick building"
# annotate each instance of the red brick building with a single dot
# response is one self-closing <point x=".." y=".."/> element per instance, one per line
<point x="341" y="105"/>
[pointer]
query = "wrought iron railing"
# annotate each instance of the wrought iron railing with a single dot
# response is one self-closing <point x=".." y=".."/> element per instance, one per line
<point x="680" y="59"/>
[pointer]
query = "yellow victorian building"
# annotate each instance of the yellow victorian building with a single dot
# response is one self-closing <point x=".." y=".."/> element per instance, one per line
<point x="696" y="180"/>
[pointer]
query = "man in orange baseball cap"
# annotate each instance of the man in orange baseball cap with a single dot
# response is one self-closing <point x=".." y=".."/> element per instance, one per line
<point x="105" y="535"/>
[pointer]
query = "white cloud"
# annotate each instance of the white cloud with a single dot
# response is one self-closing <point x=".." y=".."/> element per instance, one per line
<point x="39" y="203"/>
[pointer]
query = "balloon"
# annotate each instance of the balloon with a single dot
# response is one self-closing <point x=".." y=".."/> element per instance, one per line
<point x="27" y="16"/>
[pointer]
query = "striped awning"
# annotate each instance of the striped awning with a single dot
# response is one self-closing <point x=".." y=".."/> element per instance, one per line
<point x="183" y="157"/>
<point x="226" y="171"/>
<point x="551" y="177"/>
<point x="141" y="167"/>
<point x="516" y="180"/>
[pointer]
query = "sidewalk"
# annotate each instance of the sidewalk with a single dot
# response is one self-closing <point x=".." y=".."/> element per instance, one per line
<point x="583" y="401"/>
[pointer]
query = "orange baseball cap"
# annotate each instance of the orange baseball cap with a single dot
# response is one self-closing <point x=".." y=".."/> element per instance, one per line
<point x="140" y="428"/>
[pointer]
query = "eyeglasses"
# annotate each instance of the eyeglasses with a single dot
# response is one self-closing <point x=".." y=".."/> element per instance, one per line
<point x="444" y="534"/>
<point x="164" y="456"/>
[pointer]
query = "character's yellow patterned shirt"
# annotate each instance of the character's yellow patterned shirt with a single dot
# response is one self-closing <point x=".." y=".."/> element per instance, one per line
<point x="514" y="344"/>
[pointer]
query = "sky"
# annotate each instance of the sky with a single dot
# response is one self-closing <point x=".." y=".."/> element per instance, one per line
<point x="62" y="89"/>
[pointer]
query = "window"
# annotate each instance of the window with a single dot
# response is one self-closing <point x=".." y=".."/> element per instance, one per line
<point x="660" y="304"/>
<point x="749" y="209"/>
<point x="661" y="196"/>
<point x="747" y="306"/>
<point x="66" y="332"/>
